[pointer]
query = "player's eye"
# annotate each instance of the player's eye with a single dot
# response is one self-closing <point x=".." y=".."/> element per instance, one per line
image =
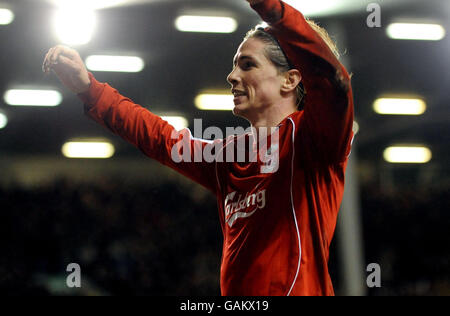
<point x="247" y="65"/>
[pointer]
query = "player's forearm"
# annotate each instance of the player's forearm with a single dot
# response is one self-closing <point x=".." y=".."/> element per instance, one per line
<point x="270" y="11"/>
<point x="152" y="135"/>
<point x="306" y="49"/>
<point x="123" y="117"/>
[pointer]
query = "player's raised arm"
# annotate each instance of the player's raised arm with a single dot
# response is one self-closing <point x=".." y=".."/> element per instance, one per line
<point x="328" y="111"/>
<point x="298" y="36"/>
<point x="152" y="135"/>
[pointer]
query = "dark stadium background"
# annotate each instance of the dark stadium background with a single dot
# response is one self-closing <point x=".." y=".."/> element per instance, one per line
<point x="137" y="228"/>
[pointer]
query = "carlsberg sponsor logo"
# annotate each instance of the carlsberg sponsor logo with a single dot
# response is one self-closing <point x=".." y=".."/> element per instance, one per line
<point x="244" y="206"/>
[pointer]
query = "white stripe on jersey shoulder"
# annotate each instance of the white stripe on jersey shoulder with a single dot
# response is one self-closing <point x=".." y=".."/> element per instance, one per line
<point x="199" y="139"/>
<point x="293" y="209"/>
<point x="351" y="144"/>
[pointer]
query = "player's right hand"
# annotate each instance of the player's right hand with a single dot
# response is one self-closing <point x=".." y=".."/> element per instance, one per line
<point x="68" y="66"/>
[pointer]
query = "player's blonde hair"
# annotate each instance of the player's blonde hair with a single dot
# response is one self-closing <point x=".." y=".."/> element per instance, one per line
<point x="323" y="33"/>
<point x="274" y="52"/>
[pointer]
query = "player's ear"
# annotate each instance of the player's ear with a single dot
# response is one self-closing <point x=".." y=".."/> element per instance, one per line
<point x="291" y="79"/>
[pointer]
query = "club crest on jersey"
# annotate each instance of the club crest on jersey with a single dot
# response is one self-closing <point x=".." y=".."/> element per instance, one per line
<point x="244" y="206"/>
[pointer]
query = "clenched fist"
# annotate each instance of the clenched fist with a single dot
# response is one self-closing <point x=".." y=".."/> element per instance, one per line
<point x="68" y="66"/>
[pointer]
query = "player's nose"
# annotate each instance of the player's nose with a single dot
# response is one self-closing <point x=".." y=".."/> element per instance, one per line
<point x="232" y="77"/>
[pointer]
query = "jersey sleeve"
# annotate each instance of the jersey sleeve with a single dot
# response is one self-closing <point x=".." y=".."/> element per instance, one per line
<point x="326" y="124"/>
<point x="152" y="135"/>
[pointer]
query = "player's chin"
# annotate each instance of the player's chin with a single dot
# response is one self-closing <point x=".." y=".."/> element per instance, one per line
<point x="240" y="109"/>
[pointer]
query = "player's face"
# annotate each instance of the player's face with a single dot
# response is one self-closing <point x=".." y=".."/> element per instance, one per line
<point x="255" y="81"/>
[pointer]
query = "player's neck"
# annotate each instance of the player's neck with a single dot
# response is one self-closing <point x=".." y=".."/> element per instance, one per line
<point x="272" y="116"/>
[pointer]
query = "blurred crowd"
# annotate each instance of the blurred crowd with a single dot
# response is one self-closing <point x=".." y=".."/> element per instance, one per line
<point x="407" y="233"/>
<point x="165" y="239"/>
<point x="127" y="239"/>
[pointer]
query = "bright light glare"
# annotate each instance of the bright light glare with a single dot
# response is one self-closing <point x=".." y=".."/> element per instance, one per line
<point x="114" y="63"/>
<point x="74" y="26"/>
<point x="214" y="101"/>
<point x="178" y="122"/>
<point x="355" y="127"/>
<point x="3" y="120"/>
<point x="316" y="7"/>
<point x="263" y="24"/>
<point x="399" y="106"/>
<point x="90" y="4"/>
<point x="6" y="16"/>
<point x="25" y="97"/>
<point x="88" y="150"/>
<point x="407" y="154"/>
<point x="206" y="24"/>
<point x="323" y="7"/>
<point x="416" y="31"/>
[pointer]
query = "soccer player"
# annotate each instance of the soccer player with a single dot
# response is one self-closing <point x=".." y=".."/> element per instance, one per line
<point x="278" y="216"/>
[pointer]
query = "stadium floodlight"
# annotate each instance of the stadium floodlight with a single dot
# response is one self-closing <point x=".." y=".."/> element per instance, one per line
<point x="25" y="97"/>
<point x="88" y="149"/>
<point x="399" y="106"/>
<point x="115" y="63"/>
<point x="215" y="100"/>
<point x="416" y="31"/>
<point x="407" y="154"/>
<point x="206" y="24"/>
<point x="6" y="16"/>
<point x="3" y="120"/>
<point x="91" y="4"/>
<point x="74" y="25"/>
<point x="178" y="122"/>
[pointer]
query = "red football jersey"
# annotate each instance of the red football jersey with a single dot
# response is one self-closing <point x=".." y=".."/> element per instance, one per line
<point x="278" y="216"/>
